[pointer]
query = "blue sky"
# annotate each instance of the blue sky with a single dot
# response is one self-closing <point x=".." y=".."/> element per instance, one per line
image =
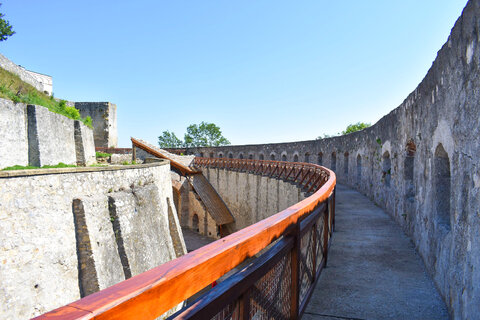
<point x="264" y="71"/>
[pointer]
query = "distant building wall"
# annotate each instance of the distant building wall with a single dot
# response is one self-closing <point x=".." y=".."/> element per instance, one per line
<point x="66" y="233"/>
<point x="104" y="119"/>
<point x="32" y="135"/>
<point x="41" y="82"/>
<point x="420" y="162"/>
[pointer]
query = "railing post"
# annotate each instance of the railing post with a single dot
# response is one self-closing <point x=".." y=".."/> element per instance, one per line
<point x="245" y="306"/>
<point x="295" y="267"/>
<point x="326" y="221"/>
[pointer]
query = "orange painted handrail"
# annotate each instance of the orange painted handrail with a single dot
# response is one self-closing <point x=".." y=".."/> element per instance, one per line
<point x="150" y="294"/>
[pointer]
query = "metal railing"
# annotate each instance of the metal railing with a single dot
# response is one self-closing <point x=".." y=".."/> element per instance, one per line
<point x="288" y="251"/>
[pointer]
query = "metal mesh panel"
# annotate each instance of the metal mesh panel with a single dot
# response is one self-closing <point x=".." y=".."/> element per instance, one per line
<point x="229" y="312"/>
<point x="319" y="230"/>
<point x="270" y="297"/>
<point x="306" y="263"/>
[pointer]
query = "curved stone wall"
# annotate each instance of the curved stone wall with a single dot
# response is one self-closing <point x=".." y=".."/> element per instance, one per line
<point x="420" y="162"/>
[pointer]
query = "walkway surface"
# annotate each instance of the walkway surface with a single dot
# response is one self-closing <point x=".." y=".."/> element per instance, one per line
<point x="373" y="270"/>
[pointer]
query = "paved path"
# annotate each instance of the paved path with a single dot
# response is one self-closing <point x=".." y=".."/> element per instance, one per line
<point x="373" y="270"/>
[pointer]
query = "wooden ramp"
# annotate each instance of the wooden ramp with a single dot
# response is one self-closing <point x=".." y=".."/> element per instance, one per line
<point x="209" y="196"/>
<point x="212" y="200"/>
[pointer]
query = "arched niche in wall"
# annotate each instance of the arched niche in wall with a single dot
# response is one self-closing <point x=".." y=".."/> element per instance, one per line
<point x="333" y="161"/>
<point x="220" y="155"/>
<point x="441" y="186"/>
<point x="408" y="170"/>
<point x="284" y="157"/>
<point x="195" y="223"/>
<point x="201" y="154"/>
<point x="240" y="156"/>
<point x="307" y="157"/>
<point x="386" y="168"/>
<point x="261" y="156"/>
<point x="345" y="163"/>
<point x="272" y="156"/>
<point x="250" y="156"/>
<point x="359" y="168"/>
<point x="230" y="155"/>
<point x="212" y="155"/>
<point x="320" y="158"/>
<point x="295" y="157"/>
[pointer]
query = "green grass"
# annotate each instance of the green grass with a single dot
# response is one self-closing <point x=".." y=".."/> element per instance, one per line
<point x="59" y="165"/>
<point x="102" y="154"/>
<point x="13" y="88"/>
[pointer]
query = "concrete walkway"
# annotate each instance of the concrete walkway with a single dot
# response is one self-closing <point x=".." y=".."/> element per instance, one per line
<point x="373" y="270"/>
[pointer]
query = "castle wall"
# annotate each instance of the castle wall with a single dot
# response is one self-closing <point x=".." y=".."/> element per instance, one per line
<point x="66" y="233"/>
<point x="104" y="119"/>
<point x="33" y="135"/>
<point x="251" y="197"/>
<point x="41" y="82"/>
<point x="420" y="162"/>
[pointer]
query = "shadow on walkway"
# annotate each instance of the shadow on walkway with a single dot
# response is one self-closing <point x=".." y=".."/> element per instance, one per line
<point x="373" y="270"/>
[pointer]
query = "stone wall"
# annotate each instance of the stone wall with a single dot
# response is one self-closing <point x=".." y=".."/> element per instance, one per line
<point x="104" y="119"/>
<point x="251" y="197"/>
<point x="420" y="162"/>
<point x="41" y="82"/>
<point x="32" y="135"/>
<point x="66" y="233"/>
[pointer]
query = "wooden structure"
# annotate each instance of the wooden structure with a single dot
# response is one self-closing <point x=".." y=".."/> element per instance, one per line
<point x="288" y="251"/>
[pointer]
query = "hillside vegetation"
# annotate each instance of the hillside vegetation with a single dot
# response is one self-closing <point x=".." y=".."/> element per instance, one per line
<point x="13" y="88"/>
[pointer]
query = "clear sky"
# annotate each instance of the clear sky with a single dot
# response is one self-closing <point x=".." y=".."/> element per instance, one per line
<point x="264" y="71"/>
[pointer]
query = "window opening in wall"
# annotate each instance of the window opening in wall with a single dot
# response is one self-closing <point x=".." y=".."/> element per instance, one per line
<point x="241" y="156"/>
<point x="211" y="155"/>
<point x="408" y="168"/>
<point x="386" y="168"/>
<point x="261" y="156"/>
<point x="201" y="154"/>
<point x="295" y="158"/>
<point x="333" y="162"/>
<point x="230" y="155"/>
<point x="220" y="155"/>
<point x="320" y="158"/>
<point x="345" y="163"/>
<point x="441" y="185"/>
<point x="359" y="168"/>
<point x="284" y="157"/>
<point x="250" y="156"/>
<point x="195" y="223"/>
<point x="272" y="157"/>
<point x="307" y="157"/>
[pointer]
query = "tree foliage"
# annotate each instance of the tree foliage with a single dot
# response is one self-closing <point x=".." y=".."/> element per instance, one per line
<point x="202" y="135"/>
<point x="169" y="140"/>
<point x="355" y="127"/>
<point x="5" y="28"/>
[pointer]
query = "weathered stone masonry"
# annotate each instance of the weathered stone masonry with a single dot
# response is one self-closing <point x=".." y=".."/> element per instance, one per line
<point x="66" y="233"/>
<point x="420" y="162"/>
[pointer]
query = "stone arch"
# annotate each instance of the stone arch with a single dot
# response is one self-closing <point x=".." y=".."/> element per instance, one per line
<point x="220" y="154"/>
<point x="386" y="168"/>
<point x="284" y="157"/>
<point x="261" y="156"/>
<point x="195" y="222"/>
<point x="408" y="170"/>
<point x="345" y="162"/>
<point x="250" y="156"/>
<point x="441" y="186"/>
<point x="333" y="161"/>
<point x="320" y="158"/>
<point x="230" y="155"/>
<point x="359" y="168"/>
<point x="240" y="155"/>
<point x="307" y="157"/>
<point x="272" y="156"/>
<point x="295" y="157"/>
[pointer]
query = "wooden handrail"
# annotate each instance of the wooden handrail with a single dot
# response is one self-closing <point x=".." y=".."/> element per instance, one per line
<point x="150" y="294"/>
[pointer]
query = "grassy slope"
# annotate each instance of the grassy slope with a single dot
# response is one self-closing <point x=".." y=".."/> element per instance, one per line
<point x="13" y="88"/>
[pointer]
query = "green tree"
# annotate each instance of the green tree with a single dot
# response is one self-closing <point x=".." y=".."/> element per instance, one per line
<point x="5" y="28"/>
<point x="355" y="127"/>
<point x="169" y="140"/>
<point x="204" y="135"/>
